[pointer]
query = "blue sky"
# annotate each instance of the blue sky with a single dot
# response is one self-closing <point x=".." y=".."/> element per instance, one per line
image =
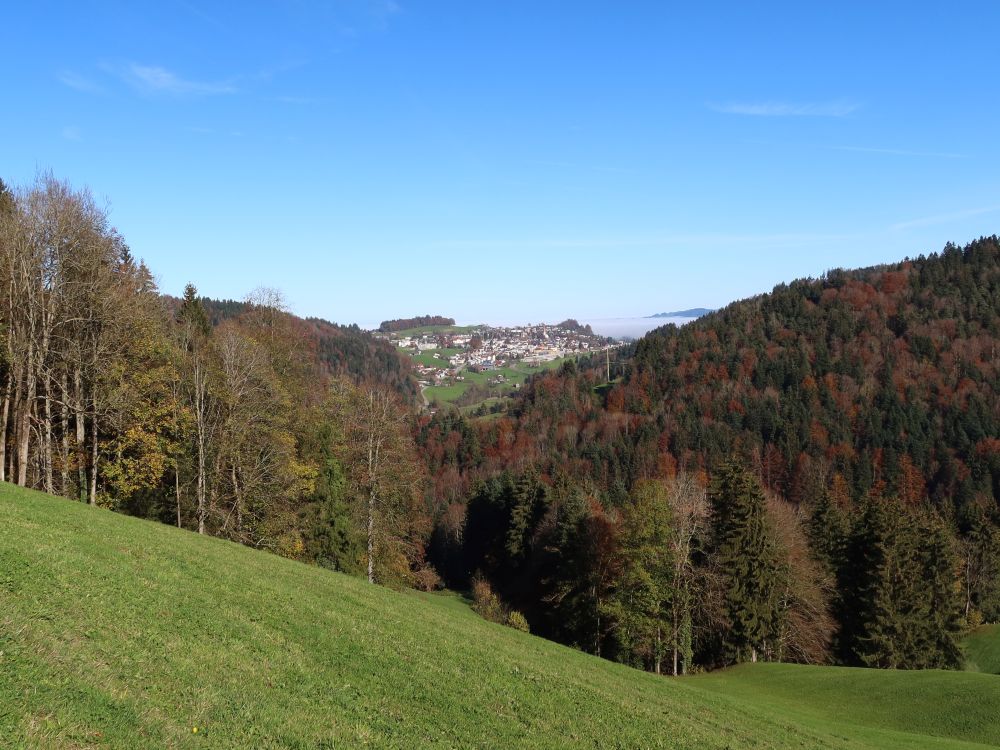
<point x="510" y="161"/>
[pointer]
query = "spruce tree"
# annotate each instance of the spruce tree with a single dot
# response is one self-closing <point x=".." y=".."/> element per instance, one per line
<point x="938" y="561"/>
<point x="744" y="553"/>
<point x="829" y="536"/>
<point x="905" y="598"/>
<point x="192" y="312"/>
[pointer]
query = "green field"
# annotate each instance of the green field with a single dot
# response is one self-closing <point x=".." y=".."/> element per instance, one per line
<point x="427" y="358"/>
<point x="515" y="374"/>
<point x="982" y="650"/>
<point x="116" y="632"/>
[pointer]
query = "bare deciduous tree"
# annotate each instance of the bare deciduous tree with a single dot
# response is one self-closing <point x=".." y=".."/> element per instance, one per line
<point x="379" y="447"/>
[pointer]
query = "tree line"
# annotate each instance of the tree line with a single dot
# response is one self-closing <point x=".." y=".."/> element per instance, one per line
<point x="119" y="397"/>
<point x="403" y="324"/>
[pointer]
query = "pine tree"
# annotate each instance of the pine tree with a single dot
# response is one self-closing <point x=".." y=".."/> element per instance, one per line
<point x="828" y="532"/>
<point x="944" y="624"/>
<point x="744" y="553"/>
<point x="192" y="312"/>
<point x="905" y="600"/>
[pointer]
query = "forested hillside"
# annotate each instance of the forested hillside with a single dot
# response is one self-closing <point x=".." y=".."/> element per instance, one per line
<point x="402" y="324"/>
<point x="862" y="411"/>
<point x="234" y="419"/>
<point x="340" y="350"/>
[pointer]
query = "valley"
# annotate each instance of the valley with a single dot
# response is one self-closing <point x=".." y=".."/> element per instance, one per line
<point x="477" y="368"/>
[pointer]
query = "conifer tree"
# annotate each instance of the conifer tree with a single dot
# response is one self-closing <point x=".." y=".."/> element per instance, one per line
<point x="828" y="532"/>
<point x="905" y="595"/>
<point x="938" y="563"/>
<point x="744" y="553"/>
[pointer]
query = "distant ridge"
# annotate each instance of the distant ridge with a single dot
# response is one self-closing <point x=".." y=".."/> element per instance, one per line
<point x="403" y="324"/>
<point x="694" y="312"/>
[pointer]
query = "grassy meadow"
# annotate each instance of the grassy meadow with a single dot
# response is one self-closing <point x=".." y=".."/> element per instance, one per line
<point x="515" y="375"/>
<point x="982" y="650"/>
<point x="122" y="633"/>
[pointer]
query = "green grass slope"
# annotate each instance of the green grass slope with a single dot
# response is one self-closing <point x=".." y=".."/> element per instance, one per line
<point x="116" y="632"/>
<point x="982" y="650"/>
<point x="930" y="703"/>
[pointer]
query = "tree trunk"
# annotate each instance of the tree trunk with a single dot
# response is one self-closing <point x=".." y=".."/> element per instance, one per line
<point x="15" y="421"/>
<point x="93" y="453"/>
<point x="371" y="536"/>
<point x="24" y="426"/>
<point x="4" y="416"/>
<point x="199" y="400"/>
<point x="677" y="634"/>
<point x="81" y="468"/>
<point x="177" y="490"/>
<point x="597" y="613"/>
<point x="968" y="584"/>
<point x="64" y="429"/>
<point x="47" y="441"/>
<point x="239" y="500"/>
<point x="658" y="658"/>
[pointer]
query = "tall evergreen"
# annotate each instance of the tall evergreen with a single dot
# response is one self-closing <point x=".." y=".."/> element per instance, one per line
<point x="939" y="566"/>
<point x="192" y="312"/>
<point x="904" y="595"/>
<point x="829" y="533"/>
<point x="745" y="556"/>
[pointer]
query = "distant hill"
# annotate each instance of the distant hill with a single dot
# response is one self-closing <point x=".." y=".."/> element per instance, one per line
<point x="404" y="324"/>
<point x="572" y="324"/>
<point x="120" y="633"/>
<point x="343" y="350"/>
<point x="694" y="312"/>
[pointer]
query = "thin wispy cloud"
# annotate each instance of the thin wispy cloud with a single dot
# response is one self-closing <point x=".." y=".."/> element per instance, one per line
<point x="837" y="108"/>
<point x="153" y="79"/>
<point x="928" y="221"/>
<point x="78" y="82"/>
<point x="72" y="133"/>
<point x="899" y="152"/>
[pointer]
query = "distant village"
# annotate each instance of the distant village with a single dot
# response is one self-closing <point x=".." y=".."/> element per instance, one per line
<point x="487" y="348"/>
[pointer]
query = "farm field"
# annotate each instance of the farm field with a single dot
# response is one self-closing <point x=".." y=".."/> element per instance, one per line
<point x="514" y="376"/>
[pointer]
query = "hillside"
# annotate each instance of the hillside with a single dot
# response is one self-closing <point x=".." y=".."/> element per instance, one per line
<point x="878" y="380"/>
<point x="874" y="381"/>
<point x="115" y="632"/>
<point x="869" y="388"/>
<point x="982" y="650"/>
<point x="341" y="350"/>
